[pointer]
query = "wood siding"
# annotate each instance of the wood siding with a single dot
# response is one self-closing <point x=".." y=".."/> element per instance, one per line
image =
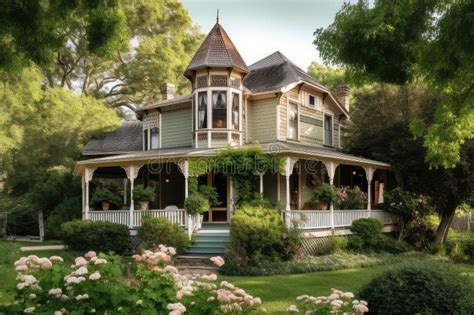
<point x="262" y="119"/>
<point x="176" y="128"/>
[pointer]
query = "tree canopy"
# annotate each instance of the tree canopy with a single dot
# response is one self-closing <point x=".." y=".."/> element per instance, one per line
<point x="381" y="117"/>
<point x="404" y="41"/>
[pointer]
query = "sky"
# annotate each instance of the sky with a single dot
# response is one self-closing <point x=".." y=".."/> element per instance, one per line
<point x="258" y="28"/>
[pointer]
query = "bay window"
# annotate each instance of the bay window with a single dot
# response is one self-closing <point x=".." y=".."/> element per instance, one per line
<point x="292" y="121"/>
<point x="202" y="110"/>
<point x="235" y="111"/>
<point x="219" y="109"/>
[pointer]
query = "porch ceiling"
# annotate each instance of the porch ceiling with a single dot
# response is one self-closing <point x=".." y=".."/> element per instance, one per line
<point x="278" y="148"/>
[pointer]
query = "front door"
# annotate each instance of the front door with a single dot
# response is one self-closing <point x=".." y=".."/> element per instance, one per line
<point x="217" y="213"/>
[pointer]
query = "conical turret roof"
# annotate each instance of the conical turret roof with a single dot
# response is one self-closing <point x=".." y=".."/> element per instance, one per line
<point x="217" y="50"/>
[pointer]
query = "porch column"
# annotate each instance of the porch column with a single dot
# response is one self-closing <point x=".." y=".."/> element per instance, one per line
<point x="331" y="169"/>
<point x="184" y="167"/>
<point x="88" y="173"/>
<point x="260" y="176"/>
<point x="125" y="184"/>
<point x="369" y="173"/>
<point x="132" y="173"/>
<point x="288" y="170"/>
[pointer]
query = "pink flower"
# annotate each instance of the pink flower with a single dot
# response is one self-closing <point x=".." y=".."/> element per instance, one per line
<point x="218" y="261"/>
<point x="90" y="254"/>
<point x="137" y="257"/>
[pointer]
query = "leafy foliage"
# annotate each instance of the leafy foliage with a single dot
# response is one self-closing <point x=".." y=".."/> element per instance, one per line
<point x="348" y="198"/>
<point x="324" y="193"/>
<point x="398" y="42"/>
<point x="102" y="194"/>
<point x="420" y="289"/>
<point x="155" y="231"/>
<point x="381" y="116"/>
<point x="99" y="236"/>
<point x="142" y="193"/>
<point x="329" y="77"/>
<point x="257" y="235"/>
<point x="196" y="203"/>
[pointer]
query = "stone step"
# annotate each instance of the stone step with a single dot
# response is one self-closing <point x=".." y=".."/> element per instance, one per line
<point x="208" y="251"/>
<point x="209" y="238"/>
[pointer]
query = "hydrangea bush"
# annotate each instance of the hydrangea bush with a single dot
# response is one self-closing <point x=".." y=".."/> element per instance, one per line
<point x="337" y="303"/>
<point x="102" y="284"/>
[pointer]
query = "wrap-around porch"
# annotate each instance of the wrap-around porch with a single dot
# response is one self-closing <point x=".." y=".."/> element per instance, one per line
<point x="169" y="175"/>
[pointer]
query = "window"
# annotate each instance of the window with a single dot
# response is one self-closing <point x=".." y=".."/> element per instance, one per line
<point x="145" y="140"/>
<point x="219" y="109"/>
<point x="202" y="110"/>
<point x="311" y="101"/>
<point x="327" y="130"/>
<point x="154" y="138"/>
<point x="293" y="121"/>
<point x="235" y="111"/>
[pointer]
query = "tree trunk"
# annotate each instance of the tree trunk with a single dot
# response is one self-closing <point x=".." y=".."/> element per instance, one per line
<point x="444" y="225"/>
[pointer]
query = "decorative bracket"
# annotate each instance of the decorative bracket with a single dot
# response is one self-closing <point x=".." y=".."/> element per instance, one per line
<point x="369" y="173"/>
<point x="89" y="173"/>
<point x="184" y="167"/>
<point x="331" y="169"/>
<point x="289" y="165"/>
<point x="132" y="171"/>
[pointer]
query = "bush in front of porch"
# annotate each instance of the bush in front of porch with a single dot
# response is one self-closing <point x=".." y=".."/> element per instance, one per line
<point x="99" y="236"/>
<point x="259" y="235"/>
<point x="155" y="231"/>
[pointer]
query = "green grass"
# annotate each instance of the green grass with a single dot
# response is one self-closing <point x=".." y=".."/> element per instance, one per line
<point x="279" y="292"/>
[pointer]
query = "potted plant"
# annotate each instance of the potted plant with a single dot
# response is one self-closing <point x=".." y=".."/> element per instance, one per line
<point x="324" y="194"/>
<point x="105" y="197"/>
<point x="350" y="199"/>
<point x="195" y="205"/>
<point x="143" y="195"/>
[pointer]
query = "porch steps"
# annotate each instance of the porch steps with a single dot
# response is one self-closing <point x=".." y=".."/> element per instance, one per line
<point x="195" y="265"/>
<point x="211" y="240"/>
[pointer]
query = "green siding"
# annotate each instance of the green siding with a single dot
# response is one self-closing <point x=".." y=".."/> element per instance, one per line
<point x="262" y="120"/>
<point x="176" y="128"/>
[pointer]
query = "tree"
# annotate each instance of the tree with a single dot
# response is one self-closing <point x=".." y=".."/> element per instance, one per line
<point x="401" y="41"/>
<point x="161" y="41"/>
<point x="34" y="30"/>
<point x="328" y="76"/>
<point x="381" y="118"/>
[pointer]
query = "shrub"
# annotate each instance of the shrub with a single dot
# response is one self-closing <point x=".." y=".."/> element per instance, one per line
<point x="259" y="201"/>
<point x="210" y="194"/>
<point x="337" y="243"/>
<point x="98" y="236"/>
<point x="348" y="199"/>
<point x="324" y="193"/>
<point x="368" y="236"/>
<point x="142" y="193"/>
<point x="460" y="250"/>
<point x="196" y="203"/>
<point x="154" y="231"/>
<point x="105" y="194"/>
<point x="420" y="289"/>
<point x="258" y="234"/>
<point x="421" y="235"/>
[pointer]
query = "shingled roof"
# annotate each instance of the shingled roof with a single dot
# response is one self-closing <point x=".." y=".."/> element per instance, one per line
<point x="217" y="50"/>
<point x="127" y="138"/>
<point x="275" y="72"/>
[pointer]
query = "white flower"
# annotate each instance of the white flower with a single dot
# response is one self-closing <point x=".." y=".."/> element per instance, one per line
<point x="80" y="261"/>
<point x="172" y="251"/>
<point x="95" y="276"/>
<point x="170" y="269"/>
<point x="81" y="271"/>
<point x="21" y="285"/>
<point x="55" y="292"/>
<point x="292" y="309"/>
<point x="29" y="279"/>
<point x="82" y="297"/>
<point x="58" y="313"/>
<point x="36" y="287"/>
<point x="348" y="295"/>
<point x="100" y="261"/>
<point x="29" y="310"/>
<point x="21" y="268"/>
<point x="93" y="310"/>
<point x="32" y="296"/>
<point x="56" y="258"/>
<point x="139" y="302"/>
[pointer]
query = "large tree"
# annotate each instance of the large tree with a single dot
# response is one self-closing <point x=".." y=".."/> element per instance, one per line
<point x="381" y="116"/>
<point x="402" y="41"/>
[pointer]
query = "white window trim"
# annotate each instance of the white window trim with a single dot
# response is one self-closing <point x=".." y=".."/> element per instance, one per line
<point x="292" y="100"/>
<point x="324" y="128"/>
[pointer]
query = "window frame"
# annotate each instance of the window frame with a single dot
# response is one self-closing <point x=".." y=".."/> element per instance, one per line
<point x="330" y="115"/>
<point x="154" y="130"/>
<point x="297" y="133"/>
<point x="225" y="109"/>
<point x="206" y="111"/>
<point x="234" y="94"/>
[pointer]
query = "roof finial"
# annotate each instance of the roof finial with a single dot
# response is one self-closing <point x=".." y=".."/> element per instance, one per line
<point x="217" y="18"/>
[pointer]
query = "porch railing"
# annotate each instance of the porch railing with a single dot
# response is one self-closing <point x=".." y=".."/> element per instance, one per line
<point x="177" y="216"/>
<point x="321" y="219"/>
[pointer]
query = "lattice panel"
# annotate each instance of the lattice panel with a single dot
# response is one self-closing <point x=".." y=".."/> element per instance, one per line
<point x="235" y="83"/>
<point x="202" y="136"/>
<point x="201" y="81"/>
<point x="218" y="80"/>
<point x="219" y="136"/>
<point x="314" y="246"/>
<point x="152" y="120"/>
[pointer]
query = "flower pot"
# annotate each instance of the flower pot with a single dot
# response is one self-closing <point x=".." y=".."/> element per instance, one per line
<point x="105" y="205"/>
<point x="144" y="205"/>
<point x="323" y="205"/>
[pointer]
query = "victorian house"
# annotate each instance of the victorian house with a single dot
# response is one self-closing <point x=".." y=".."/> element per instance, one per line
<point x="271" y="103"/>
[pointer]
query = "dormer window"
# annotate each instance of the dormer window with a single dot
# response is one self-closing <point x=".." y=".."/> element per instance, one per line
<point x="314" y="101"/>
<point x="219" y="109"/>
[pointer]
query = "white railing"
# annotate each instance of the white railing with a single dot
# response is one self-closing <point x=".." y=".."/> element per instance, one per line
<point x="321" y="219"/>
<point x="177" y="216"/>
